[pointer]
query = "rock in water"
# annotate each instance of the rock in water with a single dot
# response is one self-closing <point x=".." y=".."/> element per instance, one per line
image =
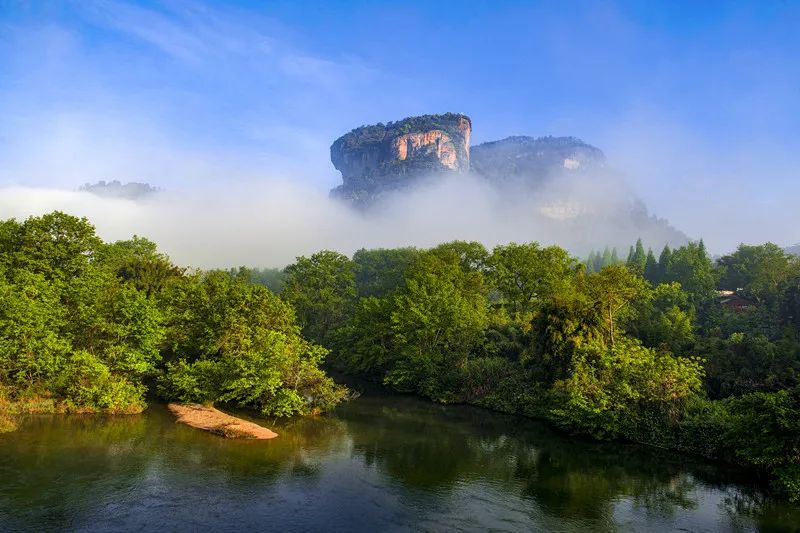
<point x="219" y="423"/>
<point x="375" y="160"/>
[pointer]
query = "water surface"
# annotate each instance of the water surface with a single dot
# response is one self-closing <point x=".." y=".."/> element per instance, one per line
<point x="379" y="463"/>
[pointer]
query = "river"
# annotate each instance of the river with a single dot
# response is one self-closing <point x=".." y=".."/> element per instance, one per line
<point x="378" y="463"/>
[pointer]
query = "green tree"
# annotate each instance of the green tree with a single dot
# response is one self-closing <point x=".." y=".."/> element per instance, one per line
<point x="438" y="319"/>
<point x="612" y="290"/>
<point x="70" y="331"/>
<point x="664" y="318"/>
<point x="590" y="261"/>
<point x="663" y="262"/>
<point x="764" y="430"/>
<point x="562" y="326"/>
<point x="322" y="289"/>
<point x="32" y="352"/>
<point x="234" y="342"/>
<point x="637" y="259"/>
<point x="762" y="272"/>
<point x="527" y="275"/>
<point x="365" y="344"/>
<point x="56" y="245"/>
<point x="651" y="270"/>
<point x="382" y="271"/>
<point x="470" y="254"/>
<point x="789" y="307"/>
<point x="607" y="260"/>
<point x="138" y="261"/>
<point x="613" y="391"/>
<point x="691" y="266"/>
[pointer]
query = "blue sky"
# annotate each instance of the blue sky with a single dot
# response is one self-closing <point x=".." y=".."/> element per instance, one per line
<point x="697" y="102"/>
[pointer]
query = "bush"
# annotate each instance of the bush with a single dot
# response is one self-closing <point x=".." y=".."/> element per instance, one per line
<point x="613" y="391"/>
<point x="237" y="343"/>
<point x="89" y="385"/>
<point x="765" y="431"/>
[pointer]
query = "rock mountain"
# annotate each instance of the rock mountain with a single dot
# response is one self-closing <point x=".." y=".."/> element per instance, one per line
<point x="531" y="161"/>
<point x="376" y="160"/>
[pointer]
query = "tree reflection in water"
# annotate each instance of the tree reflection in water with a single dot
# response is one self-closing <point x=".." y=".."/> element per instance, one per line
<point x="379" y="462"/>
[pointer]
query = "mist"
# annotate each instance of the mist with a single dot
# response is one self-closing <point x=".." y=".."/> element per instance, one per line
<point x="267" y="223"/>
<point x="231" y="112"/>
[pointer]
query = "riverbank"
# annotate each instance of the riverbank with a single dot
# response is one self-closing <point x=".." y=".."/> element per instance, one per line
<point x="216" y="422"/>
<point x="11" y="411"/>
<point x="380" y="462"/>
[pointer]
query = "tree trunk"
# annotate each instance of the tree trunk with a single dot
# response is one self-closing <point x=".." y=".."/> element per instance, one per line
<point x="611" y="323"/>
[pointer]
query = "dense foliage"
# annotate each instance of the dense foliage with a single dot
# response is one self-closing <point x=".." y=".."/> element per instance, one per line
<point x="86" y="326"/>
<point x="677" y="351"/>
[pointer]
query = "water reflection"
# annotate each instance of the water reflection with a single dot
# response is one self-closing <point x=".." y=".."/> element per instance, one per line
<point x="378" y="463"/>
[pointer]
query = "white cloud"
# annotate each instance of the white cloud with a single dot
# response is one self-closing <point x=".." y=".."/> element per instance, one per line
<point x="270" y="222"/>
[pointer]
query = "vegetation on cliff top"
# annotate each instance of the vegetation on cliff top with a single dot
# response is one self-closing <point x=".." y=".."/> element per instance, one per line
<point x="378" y="133"/>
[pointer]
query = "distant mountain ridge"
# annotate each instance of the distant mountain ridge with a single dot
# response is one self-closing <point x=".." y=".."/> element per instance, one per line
<point x="116" y="189"/>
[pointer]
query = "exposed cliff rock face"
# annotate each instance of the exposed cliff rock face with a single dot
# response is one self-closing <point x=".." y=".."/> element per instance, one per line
<point x="378" y="159"/>
<point x="531" y="161"/>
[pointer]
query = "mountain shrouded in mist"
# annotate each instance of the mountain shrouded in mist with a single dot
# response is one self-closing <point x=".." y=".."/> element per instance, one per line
<point x="561" y="181"/>
<point x="530" y="161"/>
<point x="115" y="189"/>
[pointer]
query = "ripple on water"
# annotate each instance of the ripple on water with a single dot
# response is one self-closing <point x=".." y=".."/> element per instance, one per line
<point x="380" y="463"/>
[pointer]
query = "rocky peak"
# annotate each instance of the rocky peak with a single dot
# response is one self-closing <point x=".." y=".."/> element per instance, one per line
<point x="531" y="161"/>
<point x="377" y="159"/>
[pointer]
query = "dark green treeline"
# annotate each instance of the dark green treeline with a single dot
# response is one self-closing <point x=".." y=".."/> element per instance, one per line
<point x="678" y="352"/>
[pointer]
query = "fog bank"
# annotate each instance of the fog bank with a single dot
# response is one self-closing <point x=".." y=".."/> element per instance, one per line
<point x="270" y="222"/>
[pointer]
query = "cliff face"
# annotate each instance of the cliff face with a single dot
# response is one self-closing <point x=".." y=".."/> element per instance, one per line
<point x="377" y="159"/>
<point x="530" y="161"/>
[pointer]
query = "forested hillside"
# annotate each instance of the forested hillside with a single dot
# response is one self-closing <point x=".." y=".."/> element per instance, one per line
<point x="678" y="352"/>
